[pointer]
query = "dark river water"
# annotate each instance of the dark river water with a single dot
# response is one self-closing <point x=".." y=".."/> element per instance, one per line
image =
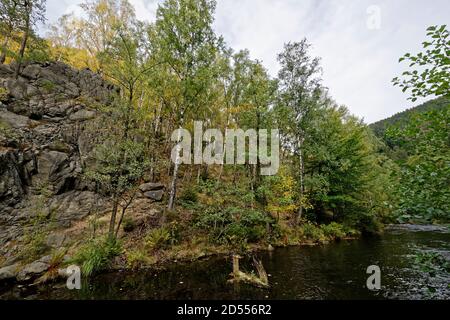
<point x="334" y="271"/>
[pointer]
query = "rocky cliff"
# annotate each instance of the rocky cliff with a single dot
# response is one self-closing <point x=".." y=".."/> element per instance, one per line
<point x="44" y="144"/>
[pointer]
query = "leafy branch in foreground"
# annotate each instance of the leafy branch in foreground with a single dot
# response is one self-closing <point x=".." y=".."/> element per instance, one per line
<point x="433" y="74"/>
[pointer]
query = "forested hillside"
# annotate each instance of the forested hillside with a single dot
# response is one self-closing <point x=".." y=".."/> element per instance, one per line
<point x="401" y="118"/>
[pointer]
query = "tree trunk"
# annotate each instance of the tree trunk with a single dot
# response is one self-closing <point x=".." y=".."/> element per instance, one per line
<point x="219" y="178"/>
<point x="302" y="184"/>
<point x="112" y="222"/>
<point x="173" y="185"/>
<point x="199" y="172"/>
<point x="120" y="222"/>
<point x="124" y="208"/>
<point x="258" y="162"/>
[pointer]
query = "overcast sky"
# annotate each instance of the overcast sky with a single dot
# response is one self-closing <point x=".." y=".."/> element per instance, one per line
<point x="359" y="41"/>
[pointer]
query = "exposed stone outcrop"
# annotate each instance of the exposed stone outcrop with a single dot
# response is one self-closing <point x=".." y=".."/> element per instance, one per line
<point x="153" y="191"/>
<point x="9" y="272"/>
<point x="32" y="270"/>
<point x="44" y="143"/>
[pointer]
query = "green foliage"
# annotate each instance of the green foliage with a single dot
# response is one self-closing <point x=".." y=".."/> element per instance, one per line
<point x="128" y="224"/>
<point x="401" y="119"/>
<point x="138" y="257"/>
<point x="119" y="166"/>
<point x="207" y="186"/>
<point x="432" y="75"/>
<point x="425" y="171"/>
<point x="57" y="260"/>
<point x="120" y="156"/>
<point x="189" y="195"/>
<point x="38" y="50"/>
<point x="233" y="225"/>
<point x="333" y="231"/>
<point x="346" y="179"/>
<point x="312" y="232"/>
<point x="96" y="255"/>
<point x="36" y="231"/>
<point x="34" y="244"/>
<point x="423" y="140"/>
<point x="47" y="85"/>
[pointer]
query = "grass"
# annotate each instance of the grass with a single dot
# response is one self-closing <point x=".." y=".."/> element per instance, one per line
<point x="56" y="261"/>
<point x="36" y="232"/>
<point x="47" y="85"/>
<point x="96" y="255"/>
<point x="137" y="258"/>
<point x="159" y="238"/>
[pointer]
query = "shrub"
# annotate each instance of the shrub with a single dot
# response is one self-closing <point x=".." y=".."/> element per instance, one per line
<point x="157" y="238"/>
<point x="189" y="196"/>
<point x="313" y="232"/>
<point x="97" y="254"/>
<point x="137" y="258"/>
<point x="207" y="187"/>
<point x="233" y="225"/>
<point x="128" y="224"/>
<point x="333" y="231"/>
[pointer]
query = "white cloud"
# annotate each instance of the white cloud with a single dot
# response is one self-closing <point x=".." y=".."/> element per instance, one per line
<point x="358" y="63"/>
<point x="145" y="9"/>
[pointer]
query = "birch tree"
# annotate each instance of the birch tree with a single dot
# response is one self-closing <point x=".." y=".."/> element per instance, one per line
<point x="300" y="89"/>
<point x="187" y="45"/>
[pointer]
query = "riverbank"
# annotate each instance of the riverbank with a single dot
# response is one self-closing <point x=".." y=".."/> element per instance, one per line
<point x="333" y="271"/>
<point x="154" y="249"/>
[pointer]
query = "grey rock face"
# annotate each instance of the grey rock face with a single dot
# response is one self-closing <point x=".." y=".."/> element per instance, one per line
<point x="32" y="270"/>
<point x="75" y="205"/>
<point x="155" y="195"/>
<point x="152" y="191"/>
<point x="9" y="272"/>
<point x="12" y="186"/>
<point x="55" y="240"/>
<point x="13" y="120"/>
<point x="151" y="187"/>
<point x="82" y="115"/>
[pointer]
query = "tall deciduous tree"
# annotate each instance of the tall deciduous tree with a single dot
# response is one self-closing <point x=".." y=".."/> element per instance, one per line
<point x="10" y="18"/>
<point x="31" y="12"/>
<point x="103" y="20"/>
<point x="186" y="43"/>
<point x="300" y="89"/>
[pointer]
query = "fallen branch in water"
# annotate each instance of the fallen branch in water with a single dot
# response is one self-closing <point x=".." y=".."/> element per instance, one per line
<point x="261" y="280"/>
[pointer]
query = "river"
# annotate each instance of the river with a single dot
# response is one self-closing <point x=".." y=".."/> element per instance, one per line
<point x="333" y="271"/>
